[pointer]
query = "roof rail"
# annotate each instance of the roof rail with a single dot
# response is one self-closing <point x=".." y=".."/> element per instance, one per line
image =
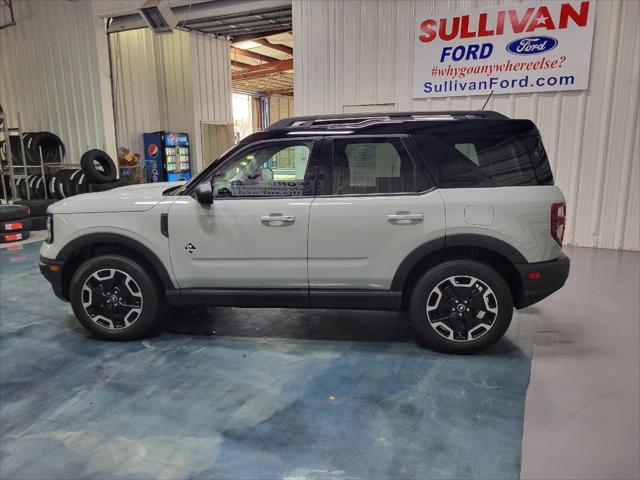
<point x="356" y="120"/>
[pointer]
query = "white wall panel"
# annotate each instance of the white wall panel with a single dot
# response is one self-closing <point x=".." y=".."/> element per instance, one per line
<point x="51" y="74"/>
<point x="135" y="87"/>
<point x="360" y="53"/>
<point x="169" y="82"/>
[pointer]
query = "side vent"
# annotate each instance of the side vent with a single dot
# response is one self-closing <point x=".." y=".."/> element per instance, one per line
<point x="164" y="224"/>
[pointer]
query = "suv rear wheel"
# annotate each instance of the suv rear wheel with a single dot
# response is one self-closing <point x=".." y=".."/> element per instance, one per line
<point x="461" y="306"/>
<point x="114" y="297"/>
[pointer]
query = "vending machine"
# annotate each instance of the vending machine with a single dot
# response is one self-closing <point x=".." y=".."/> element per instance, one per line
<point x="166" y="156"/>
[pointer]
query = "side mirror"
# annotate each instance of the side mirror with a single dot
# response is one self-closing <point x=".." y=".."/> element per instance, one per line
<point x="204" y="194"/>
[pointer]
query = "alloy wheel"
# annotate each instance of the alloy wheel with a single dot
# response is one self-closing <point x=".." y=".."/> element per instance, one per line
<point x="112" y="298"/>
<point x="462" y="308"/>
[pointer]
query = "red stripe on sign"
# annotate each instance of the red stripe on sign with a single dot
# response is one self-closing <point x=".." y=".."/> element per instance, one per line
<point x="13" y="238"/>
<point x="13" y="226"/>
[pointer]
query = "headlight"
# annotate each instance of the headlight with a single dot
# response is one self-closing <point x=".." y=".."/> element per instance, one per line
<point x="49" y="238"/>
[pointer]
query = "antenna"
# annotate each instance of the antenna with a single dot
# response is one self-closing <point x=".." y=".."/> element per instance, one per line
<point x="487" y="100"/>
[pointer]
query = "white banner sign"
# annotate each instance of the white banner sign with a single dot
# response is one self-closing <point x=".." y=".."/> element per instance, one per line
<point x="523" y="48"/>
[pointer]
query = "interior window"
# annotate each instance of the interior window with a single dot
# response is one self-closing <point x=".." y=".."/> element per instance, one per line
<point x="469" y="151"/>
<point x="271" y="170"/>
<point x="369" y="166"/>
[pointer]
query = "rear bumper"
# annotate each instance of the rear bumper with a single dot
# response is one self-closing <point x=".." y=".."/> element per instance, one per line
<point x="552" y="276"/>
<point x="52" y="271"/>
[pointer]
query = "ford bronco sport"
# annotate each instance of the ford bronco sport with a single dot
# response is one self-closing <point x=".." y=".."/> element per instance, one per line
<point x="451" y="216"/>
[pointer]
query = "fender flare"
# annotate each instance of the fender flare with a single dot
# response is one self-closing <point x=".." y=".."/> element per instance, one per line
<point x="486" y="242"/>
<point x="116" y="239"/>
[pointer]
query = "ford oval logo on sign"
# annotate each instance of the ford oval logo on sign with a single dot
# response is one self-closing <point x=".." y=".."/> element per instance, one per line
<point x="532" y="45"/>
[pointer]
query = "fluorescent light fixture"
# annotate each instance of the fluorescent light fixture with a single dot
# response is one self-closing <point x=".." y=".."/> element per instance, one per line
<point x="322" y="132"/>
<point x="158" y="16"/>
<point x="247" y="45"/>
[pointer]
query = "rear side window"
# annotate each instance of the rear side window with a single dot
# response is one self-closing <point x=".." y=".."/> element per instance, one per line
<point x="374" y="166"/>
<point x="486" y="161"/>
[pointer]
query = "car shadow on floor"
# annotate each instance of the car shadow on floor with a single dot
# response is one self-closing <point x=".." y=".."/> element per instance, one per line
<point x="299" y="324"/>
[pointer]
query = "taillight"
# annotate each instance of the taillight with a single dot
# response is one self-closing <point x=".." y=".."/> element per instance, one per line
<point x="558" y="220"/>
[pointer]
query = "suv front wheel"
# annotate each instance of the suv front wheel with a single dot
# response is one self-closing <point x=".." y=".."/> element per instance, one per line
<point x="114" y="297"/>
<point x="461" y="306"/>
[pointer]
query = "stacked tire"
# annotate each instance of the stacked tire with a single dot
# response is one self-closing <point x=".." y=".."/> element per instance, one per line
<point x="100" y="171"/>
<point x="15" y="224"/>
<point x="53" y="149"/>
<point x="38" y="209"/>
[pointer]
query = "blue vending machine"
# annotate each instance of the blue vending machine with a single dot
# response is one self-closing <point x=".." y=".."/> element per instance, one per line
<point x="167" y="156"/>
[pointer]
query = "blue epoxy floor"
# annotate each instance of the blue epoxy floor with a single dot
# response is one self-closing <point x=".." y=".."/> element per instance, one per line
<point x="255" y="400"/>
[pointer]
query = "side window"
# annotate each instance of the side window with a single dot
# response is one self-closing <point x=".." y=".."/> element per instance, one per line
<point x="498" y="161"/>
<point x="270" y="170"/>
<point x="370" y="166"/>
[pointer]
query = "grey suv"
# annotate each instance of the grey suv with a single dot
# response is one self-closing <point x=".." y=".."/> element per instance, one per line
<point x="452" y="216"/>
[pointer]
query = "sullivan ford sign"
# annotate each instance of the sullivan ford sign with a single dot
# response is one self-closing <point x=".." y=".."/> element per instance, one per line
<point x="522" y="48"/>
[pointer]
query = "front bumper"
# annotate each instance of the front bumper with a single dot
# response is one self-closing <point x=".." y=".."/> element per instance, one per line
<point x="52" y="271"/>
<point x="539" y="280"/>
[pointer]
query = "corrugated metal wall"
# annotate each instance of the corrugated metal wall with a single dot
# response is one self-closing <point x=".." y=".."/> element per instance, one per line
<point x="352" y="54"/>
<point x="169" y="82"/>
<point x="51" y="75"/>
<point x="135" y="87"/>
<point x="280" y="106"/>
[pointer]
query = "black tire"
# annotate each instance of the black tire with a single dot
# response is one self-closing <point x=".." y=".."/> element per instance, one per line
<point x="37" y="207"/>
<point x="448" y="307"/>
<point x="59" y="184"/>
<point x="22" y="188"/>
<point x="27" y="139"/>
<point x="38" y="223"/>
<point x="73" y="182"/>
<point x="31" y="182"/>
<point x="41" y="187"/>
<point x="11" y="226"/>
<point x="52" y="187"/>
<point x="10" y="237"/>
<point x="82" y="185"/>
<point x="13" y="212"/>
<point x="103" y="187"/>
<point x="53" y="150"/>
<point x="98" y="166"/>
<point x="149" y="298"/>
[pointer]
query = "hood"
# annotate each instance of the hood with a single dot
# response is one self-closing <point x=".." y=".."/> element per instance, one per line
<point x="133" y="198"/>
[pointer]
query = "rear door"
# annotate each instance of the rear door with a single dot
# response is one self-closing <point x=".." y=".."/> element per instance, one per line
<point x="375" y="205"/>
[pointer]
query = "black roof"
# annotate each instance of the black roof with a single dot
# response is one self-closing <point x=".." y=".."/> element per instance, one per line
<point x="342" y="120"/>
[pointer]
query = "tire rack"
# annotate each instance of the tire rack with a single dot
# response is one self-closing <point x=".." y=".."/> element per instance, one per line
<point x="7" y="132"/>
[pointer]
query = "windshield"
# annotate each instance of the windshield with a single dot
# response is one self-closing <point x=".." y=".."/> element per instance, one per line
<point x="203" y="174"/>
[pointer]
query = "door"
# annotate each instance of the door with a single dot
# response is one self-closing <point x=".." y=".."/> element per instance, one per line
<point x="378" y="206"/>
<point x="254" y="235"/>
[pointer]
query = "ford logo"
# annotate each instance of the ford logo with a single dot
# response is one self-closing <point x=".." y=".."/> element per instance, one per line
<point x="532" y="45"/>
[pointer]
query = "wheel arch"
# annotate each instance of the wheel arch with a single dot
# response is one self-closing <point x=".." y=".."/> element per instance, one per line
<point x="78" y="250"/>
<point x="493" y="252"/>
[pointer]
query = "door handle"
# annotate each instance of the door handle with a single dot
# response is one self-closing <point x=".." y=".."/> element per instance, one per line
<point x="402" y="218"/>
<point x="277" y="219"/>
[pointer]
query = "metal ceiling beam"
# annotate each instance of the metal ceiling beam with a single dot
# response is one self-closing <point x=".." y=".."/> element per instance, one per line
<point x="238" y="64"/>
<point x="278" y="91"/>
<point x="260" y="26"/>
<point x="214" y="8"/>
<point x="245" y="37"/>
<point x="266" y="69"/>
<point x="244" y="16"/>
<point x="249" y="54"/>
<point x="276" y="46"/>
